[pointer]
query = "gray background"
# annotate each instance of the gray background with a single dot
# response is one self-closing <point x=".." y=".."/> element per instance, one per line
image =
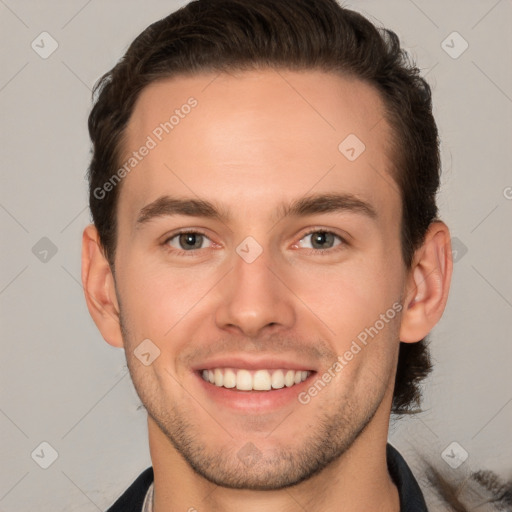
<point x="62" y="384"/>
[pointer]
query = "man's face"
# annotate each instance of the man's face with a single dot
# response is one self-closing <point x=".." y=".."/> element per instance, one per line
<point x="255" y="290"/>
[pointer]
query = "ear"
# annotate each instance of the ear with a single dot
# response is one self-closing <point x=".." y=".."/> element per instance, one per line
<point x="99" y="288"/>
<point x="428" y="284"/>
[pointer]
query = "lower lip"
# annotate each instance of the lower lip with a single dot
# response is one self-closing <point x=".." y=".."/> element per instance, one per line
<point x="253" y="401"/>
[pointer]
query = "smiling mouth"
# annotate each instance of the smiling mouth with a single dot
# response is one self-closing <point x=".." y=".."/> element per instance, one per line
<point x="254" y="380"/>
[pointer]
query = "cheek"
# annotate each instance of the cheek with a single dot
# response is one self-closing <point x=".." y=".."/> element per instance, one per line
<point x="155" y="298"/>
<point x="352" y="295"/>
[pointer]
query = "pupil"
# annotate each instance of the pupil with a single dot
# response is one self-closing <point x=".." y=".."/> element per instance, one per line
<point x="190" y="240"/>
<point x="320" y="238"/>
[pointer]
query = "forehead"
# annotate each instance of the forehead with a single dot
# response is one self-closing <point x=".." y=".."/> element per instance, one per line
<point x="254" y="136"/>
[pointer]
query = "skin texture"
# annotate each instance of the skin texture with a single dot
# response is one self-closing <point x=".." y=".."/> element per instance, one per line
<point x="254" y="140"/>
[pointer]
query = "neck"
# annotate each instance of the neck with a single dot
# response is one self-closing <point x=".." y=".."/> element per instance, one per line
<point x="357" y="481"/>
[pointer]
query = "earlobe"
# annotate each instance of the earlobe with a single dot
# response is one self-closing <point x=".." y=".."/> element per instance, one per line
<point x="428" y="284"/>
<point x="99" y="288"/>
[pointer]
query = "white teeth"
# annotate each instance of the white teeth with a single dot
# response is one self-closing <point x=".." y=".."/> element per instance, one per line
<point x="261" y="381"/>
<point x="243" y="380"/>
<point x="229" y="379"/>
<point x="278" y="379"/>
<point x="258" y="380"/>
<point x="219" y="377"/>
<point x="289" y="378"/>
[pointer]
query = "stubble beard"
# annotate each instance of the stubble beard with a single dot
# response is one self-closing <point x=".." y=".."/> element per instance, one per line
<point x="248" y="463"/>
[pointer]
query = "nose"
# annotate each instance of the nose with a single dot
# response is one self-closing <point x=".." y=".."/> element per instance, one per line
<point x="254" y="298"/>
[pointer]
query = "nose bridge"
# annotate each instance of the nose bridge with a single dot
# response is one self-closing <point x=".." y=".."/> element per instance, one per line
<point x="253" y="298"/>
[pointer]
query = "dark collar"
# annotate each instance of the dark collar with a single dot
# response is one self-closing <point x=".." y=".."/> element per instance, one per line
<point x="133" y="498"/>
<point x="411" y="497"/>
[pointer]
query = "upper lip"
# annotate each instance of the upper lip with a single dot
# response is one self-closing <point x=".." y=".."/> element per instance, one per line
<point x="267" y="362"/>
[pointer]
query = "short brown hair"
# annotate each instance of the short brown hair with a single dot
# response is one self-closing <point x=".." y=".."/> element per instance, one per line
<point x="225" y="35"/>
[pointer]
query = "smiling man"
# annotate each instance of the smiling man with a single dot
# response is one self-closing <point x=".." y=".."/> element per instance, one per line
<point x="266" y="250"/>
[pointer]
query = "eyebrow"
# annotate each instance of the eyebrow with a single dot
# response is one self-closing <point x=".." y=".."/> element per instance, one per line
<point x="167" y="206"/>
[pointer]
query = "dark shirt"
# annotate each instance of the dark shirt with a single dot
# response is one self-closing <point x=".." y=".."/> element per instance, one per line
<point x="411" y="497"/>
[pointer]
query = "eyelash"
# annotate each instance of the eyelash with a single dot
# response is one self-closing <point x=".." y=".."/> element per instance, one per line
<point x="316" y="252"/>
<point x="180" y="252"/>
<point x="325" y="252"/>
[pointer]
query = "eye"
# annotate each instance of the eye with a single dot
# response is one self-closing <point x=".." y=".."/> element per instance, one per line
<point x="187" y="241"/>
<point x="321" y="240"/>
